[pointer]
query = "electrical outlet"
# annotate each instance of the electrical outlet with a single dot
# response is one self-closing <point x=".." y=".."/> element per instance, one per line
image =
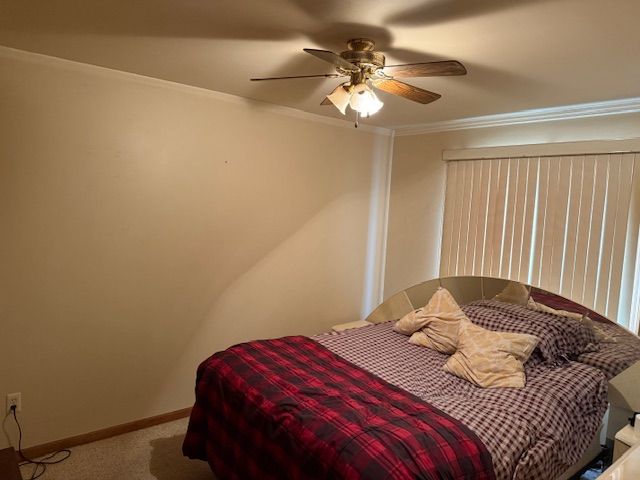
<point x="14" y="399"/>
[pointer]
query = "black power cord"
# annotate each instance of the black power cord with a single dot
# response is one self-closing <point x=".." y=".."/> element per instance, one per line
<point x="40" y="465"/>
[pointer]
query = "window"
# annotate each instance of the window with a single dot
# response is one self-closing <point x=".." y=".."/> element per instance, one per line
<point x="557" y="222"/>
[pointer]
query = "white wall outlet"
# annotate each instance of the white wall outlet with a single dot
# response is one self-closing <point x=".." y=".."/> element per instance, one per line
<point x="14" y="399"/>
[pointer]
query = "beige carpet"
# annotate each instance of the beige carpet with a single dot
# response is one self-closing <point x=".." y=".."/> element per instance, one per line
<point x="151" y="454"/>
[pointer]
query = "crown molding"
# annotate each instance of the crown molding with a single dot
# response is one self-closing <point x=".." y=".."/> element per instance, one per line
<point x="42" y="59"/>
<point x="566" y="112"/>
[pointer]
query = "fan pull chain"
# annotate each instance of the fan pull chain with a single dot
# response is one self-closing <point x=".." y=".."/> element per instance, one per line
<point x="357" y="114"/>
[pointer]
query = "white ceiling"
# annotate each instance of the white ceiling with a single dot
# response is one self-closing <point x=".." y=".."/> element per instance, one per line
<point x="520" y="54"/>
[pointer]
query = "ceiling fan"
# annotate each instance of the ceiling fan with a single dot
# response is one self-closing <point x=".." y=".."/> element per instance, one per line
<point x="367" y="71"/>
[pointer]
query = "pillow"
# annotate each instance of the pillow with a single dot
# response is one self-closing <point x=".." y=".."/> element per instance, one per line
<point x="558" y="302"/>
<point x="411" y="322"/>
<point x="490" y="359"/>
<point x="437" y="321"/>
<point x="600" y="335"/>
<point x="441" y="305"/>
<point x="541" y="307"/>
<point x="561" y="338"/>
<point x="515" y="293"/>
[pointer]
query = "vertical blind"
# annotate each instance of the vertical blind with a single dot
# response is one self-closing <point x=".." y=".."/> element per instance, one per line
<point x="559" y="223"/>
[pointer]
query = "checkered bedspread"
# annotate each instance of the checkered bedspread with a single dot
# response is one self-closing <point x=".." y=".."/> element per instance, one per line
<point x="290" y="408"/>
<point x="614" y="356"/>
<point x="533" y="433"/>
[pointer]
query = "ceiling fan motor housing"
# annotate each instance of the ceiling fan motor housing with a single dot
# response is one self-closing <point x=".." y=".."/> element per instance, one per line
<point x="361" y="53"/>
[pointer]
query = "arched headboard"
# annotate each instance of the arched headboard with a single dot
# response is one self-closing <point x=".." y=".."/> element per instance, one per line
<point x="464" y="289"/>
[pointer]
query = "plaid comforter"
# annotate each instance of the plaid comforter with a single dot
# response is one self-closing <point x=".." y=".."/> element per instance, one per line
<point x="290" y="408"/>
<point x="533" y="433"/>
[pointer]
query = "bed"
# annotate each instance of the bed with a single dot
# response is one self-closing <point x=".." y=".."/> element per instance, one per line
<point x="364" y="403"/>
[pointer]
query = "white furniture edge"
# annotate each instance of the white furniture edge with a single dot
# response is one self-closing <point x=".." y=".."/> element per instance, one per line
<point x="627" y="467"/>
<point x="628" y="436"/>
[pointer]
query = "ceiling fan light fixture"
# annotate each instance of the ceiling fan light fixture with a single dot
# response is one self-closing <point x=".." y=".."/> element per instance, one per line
<point x="364" y="101"/>
<point x="340" y="97"/>
<point x="367" y="70"/>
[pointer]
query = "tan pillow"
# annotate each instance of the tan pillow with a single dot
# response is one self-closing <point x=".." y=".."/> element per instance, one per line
<point x="515" y="293"/>
<point x="439" y="328"/>
<point x="440" y="305"/>
<point x="541" y="307"/>
<point x="411" y="322"/>
<point x="490" y="359"/>
<point x="601" y="335"/>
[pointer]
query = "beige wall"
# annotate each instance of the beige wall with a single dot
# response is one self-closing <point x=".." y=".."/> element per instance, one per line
<point x="147" y="225"/>
<point x="418" y="182"/>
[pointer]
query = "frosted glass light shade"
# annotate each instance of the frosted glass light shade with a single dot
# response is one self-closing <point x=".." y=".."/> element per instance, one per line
<point x="340" y="97"/>
<point x="364" y="101"/>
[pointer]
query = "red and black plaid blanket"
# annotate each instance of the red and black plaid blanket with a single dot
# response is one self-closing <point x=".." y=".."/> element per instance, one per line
<point x="290" y="408"/>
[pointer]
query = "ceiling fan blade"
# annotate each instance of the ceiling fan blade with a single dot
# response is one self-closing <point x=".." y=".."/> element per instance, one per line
<point x="430" y="69"/>
<point x="323" y="75"/>
<point x="333" y="58"/>
<point x="405" y="90"/>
